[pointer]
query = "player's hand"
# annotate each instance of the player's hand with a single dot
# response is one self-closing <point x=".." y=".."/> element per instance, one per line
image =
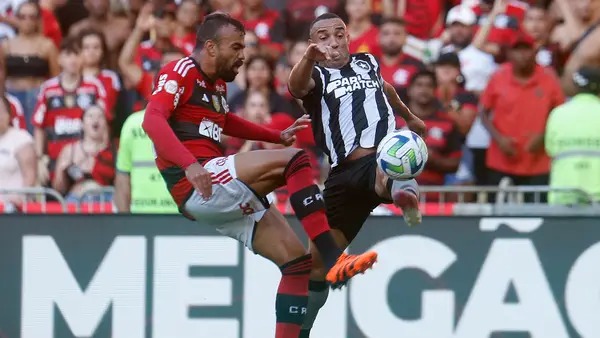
<point x="507" y="145"/>
<point x="417" y="125"/>
<point x="288" y="136"/>
<point x="43" y="174"/>
<point x="318" y="53"/>
<point x="200" y="178"/>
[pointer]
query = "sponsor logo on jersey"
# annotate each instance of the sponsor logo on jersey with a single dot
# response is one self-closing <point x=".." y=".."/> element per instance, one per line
<point x="346" y="85"/>
<point x="210" y="129"/>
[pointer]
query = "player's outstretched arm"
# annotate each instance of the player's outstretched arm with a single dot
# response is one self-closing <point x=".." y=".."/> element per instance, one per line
<point x="238" y="127"/>
<point x="301" y="82"/>
<point x="414" y="123"/>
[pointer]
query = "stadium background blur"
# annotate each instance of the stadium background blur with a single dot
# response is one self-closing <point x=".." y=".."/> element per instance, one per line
<point x="123" y="44"/>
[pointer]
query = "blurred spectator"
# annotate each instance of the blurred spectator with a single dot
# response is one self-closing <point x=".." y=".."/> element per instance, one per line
<point x="460" y="104"/>
<point x="579" y="18"/>
<point x="87" y="164"/>
<point x="586" y="50"/>
<point x="17" y="116"/>
<point x="251" y="49"/>
<point x="30" y="58"/>
<point x="573" y="141"/>
<point x="95" y="60"/>
<point x="294" y="55"/>
<point x="537" y="24"/>
<point x="115" y="29"/>
<point x="139" y="187"/>
<point x="260" y="77"/>
<point x="161" y="25"/>
<point x="256" y="109"/>
<point x="267" y="24"/>
<point x="443" y="139"/>
<point x="135" y="76"/>
<point x="363" y="33"/>
<point x="424" y="18"/>
<point x="506" y="24"/>
<point x="17" y="157"/>
<point x="298" y="15"/>
<point x="233" y="7"/>
<point x="476" y="65"/>
<point x="50" y="27"/>
<point x="396" y="67"/>
<point x="515" y="105"/>
<point x="60" y="106"/>
<point x="187" y="18"/>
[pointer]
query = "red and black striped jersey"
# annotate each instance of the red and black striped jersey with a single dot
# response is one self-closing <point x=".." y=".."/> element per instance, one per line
<point x="197" y="114"/>
<point x="59" y="112"/>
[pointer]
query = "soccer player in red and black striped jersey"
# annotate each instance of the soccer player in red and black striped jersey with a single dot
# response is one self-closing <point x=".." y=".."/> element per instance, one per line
<point x="185" y="117"/>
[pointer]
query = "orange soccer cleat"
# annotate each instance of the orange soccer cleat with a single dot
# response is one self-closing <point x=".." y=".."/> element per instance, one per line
<point x="348" y="266"/>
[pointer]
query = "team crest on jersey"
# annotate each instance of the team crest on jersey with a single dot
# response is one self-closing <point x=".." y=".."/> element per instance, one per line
<point x="363" y="65"/>
<point x="220" y="88"/>
<point x="84" y="101"/>
<point x="216" y="103"/>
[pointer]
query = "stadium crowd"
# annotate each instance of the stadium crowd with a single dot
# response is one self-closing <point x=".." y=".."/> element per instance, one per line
<point x="483" y="74"/>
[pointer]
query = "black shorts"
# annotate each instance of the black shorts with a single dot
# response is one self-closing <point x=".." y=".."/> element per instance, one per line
<point x="350" y="195"/>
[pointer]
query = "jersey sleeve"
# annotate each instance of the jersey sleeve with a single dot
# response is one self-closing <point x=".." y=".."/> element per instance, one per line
<point x="38" y="118"/>
<point x="124" y="162"/>
<point x="171" y="85"/>
<point x="16" y="112"/>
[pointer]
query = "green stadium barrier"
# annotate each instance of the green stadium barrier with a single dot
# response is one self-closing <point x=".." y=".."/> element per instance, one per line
<point x="165" y="277"/>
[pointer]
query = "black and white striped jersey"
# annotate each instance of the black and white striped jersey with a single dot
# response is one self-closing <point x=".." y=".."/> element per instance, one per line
<point x="348" y="107"/>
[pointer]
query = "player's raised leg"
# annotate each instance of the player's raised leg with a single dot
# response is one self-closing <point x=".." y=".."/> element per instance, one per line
<point x="266" y="170"/>
<point x="404" y="194"/>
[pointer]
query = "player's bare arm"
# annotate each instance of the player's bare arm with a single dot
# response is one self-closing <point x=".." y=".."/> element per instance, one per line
<point x="414" y="123"/>
<point x="300" y="82"/>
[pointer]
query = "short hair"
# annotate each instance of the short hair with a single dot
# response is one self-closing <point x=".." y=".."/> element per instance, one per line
<point x="70" y="45"/>
<point x="324" y="16"/>
<point x="393" y="20"/>
<point x="212" y="24"/>
<point x="423" y="73"/>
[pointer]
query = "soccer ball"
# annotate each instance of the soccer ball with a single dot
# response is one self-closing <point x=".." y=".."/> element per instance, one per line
<point x="402" y="155"/>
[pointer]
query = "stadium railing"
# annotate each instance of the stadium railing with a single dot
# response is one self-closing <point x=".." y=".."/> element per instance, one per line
<point x="435" y="201"/>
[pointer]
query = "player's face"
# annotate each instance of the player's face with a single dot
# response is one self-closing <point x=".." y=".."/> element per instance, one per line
<point x="422" y="91"/>
<point x="230" y="53"/>
<point x="91" y="50"/>
<point x="332" y="33"/>
<point x="70" y="62"/>
<point x="94" y="122"/>
<point x="392" y="37"/>
<point x="536" y="23"/>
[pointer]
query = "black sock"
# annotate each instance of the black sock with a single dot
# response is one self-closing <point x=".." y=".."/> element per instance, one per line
<point x="317" y="297"/>
<point x="328" y="249"/>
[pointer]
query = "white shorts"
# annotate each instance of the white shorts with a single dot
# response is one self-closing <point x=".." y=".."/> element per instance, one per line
<point x="234" y="208"/>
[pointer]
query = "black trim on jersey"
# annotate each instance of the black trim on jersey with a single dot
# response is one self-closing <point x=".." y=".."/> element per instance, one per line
<point x="382" y="125"/>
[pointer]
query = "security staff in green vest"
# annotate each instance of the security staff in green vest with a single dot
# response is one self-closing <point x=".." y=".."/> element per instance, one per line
<point x="573" y="141"/>
<point x="139" y="187"/>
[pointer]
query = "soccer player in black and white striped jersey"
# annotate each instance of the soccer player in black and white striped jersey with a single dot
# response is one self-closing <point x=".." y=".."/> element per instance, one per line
<point x="352" y="109"/>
